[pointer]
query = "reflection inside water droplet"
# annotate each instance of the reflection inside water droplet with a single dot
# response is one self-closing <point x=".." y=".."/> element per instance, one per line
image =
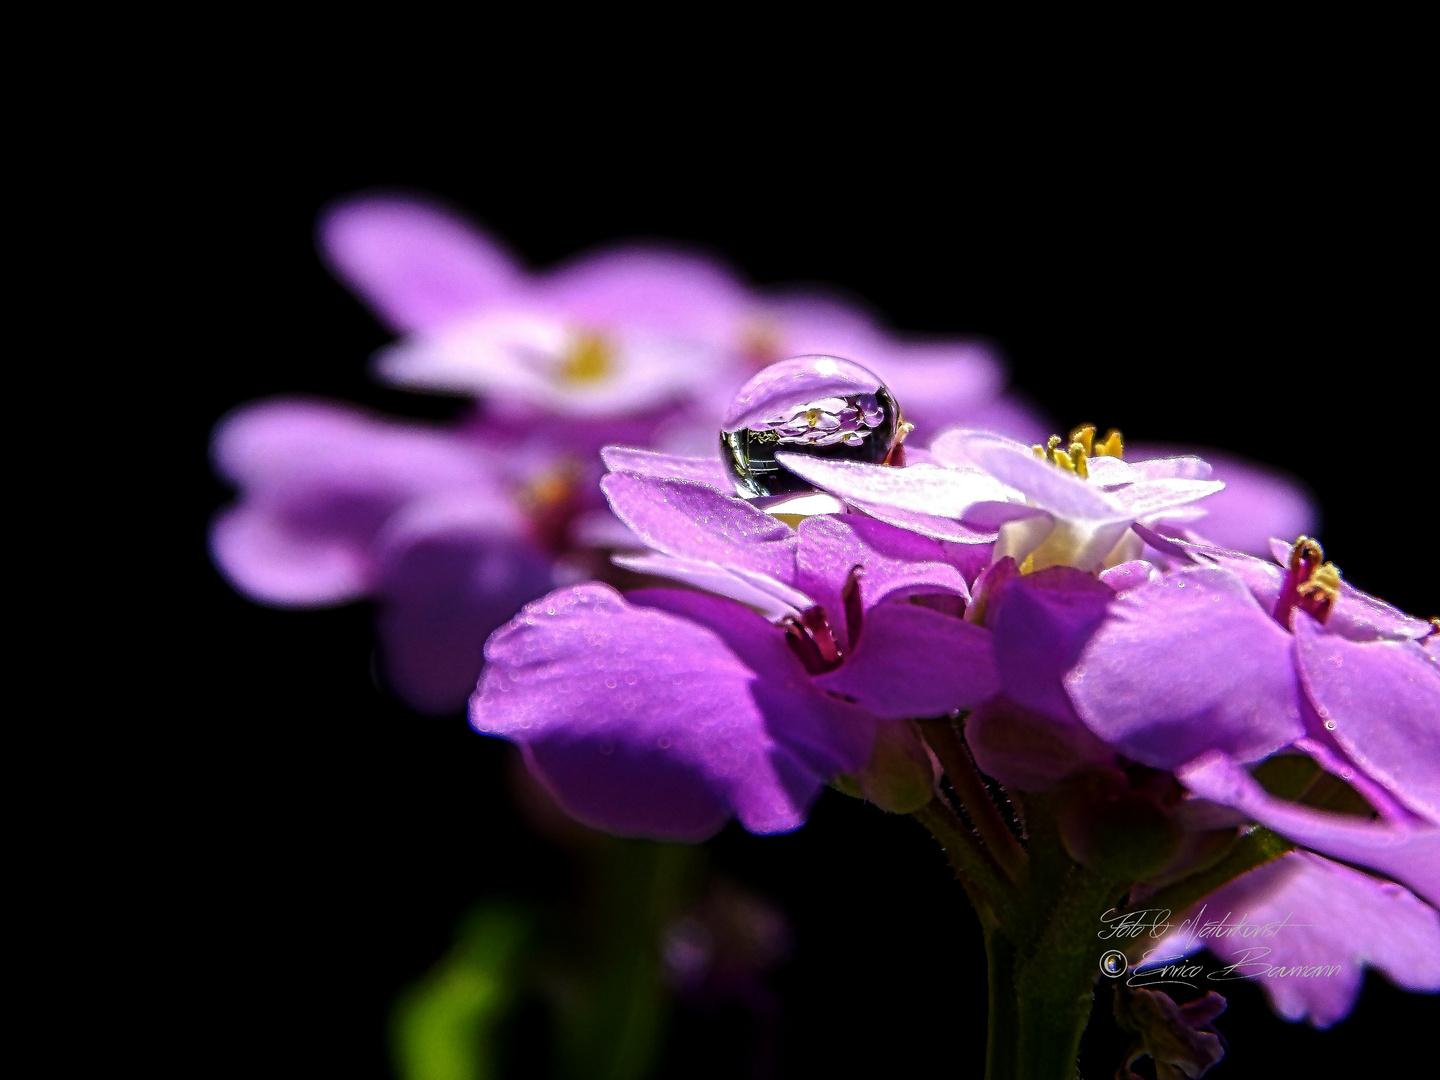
<point x="819" y="406"/>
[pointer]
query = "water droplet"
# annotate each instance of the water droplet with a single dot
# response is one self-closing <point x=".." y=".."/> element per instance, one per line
<point x="1329" y="725"/>
<point x="607" y="748"/>
<point x="663" y="743"/>
<point x="821" y="406"/>
<point x="610" y="683"/>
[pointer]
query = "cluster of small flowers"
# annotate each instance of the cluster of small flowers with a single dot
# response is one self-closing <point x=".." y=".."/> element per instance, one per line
<point x="1058" y="601"/>
<point x="450" y="528"/>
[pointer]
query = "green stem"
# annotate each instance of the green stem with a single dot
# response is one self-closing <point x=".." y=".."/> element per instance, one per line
<point x="1055" y="979"/>
<point x="955" y="758"/>
<point x="1002" y="1034"/>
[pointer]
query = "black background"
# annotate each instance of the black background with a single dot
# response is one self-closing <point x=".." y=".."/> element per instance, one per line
<point x="1190" y="286"/>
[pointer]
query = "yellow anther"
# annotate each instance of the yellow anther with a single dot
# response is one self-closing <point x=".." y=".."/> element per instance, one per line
<point x="1075" y="458"/>
<point x="589" y="360"/>
<point x="1111" y="446"/>
<point x="812" y="416"/>
<point x="1324" y="583"/>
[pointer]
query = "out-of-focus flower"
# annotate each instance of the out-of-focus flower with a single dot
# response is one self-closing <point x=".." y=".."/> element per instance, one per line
<point x="1180" y="1039"/>
<point x="338" y="505"/>
<point x="623" y="331"/>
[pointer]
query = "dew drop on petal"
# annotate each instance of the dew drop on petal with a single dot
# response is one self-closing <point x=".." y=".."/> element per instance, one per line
<point x="663" y="743"/>
<point x="1329" y="725"/>
<point x="607" y="748"/>
<point x="821" y="406"/>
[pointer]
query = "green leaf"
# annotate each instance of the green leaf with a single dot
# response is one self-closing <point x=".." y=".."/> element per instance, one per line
<point x="445" y="1026"/>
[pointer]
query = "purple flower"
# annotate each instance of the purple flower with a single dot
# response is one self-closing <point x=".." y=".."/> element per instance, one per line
<point x="1047" y="507"/>
<point x="1304" y="929"/>
<point x="1258" y="501"/>
<point x="1228" y="659"/>
<point x="1227" y="653"/>
<point x="838" y="647"/>
<point x="665" y="713"/>
<point x="626" y="330"/>
<point x="338" y="505"/>
<point x="635" y="344"/>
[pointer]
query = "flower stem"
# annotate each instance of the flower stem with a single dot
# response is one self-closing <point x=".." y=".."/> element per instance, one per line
<point x="1055" y="979"/>
<point x="954" y="757"/>
<point x="1002" y="1034"/>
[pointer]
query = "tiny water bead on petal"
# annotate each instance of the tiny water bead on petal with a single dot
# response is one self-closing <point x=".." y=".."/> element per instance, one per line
<point x="822" y="406"/>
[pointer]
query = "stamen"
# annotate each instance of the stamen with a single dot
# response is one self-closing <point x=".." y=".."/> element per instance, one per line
<point x="1075" y="458"/>
<point x="1311" y="583"/>
<point x="1324" y="584"/>
<point x="1112" y="446"/>
<point x="811" y="639"/>
<point x="1306" y="553"/>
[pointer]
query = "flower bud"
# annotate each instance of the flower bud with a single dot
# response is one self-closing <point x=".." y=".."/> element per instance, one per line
<point x="1113" y="829"/>
<point x="900" y="775"/>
